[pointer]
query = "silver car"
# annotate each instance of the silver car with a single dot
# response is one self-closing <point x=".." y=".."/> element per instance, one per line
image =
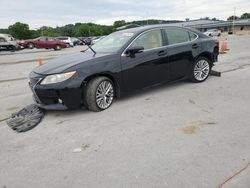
<point x="8" y="42"/>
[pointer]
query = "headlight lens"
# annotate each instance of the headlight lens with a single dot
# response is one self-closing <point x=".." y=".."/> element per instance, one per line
<point x="55" y="78"/>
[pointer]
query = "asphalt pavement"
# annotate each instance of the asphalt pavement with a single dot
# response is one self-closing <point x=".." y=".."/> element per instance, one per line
<point x="175" y="136"/>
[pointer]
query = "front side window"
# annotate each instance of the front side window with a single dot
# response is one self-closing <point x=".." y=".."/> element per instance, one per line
<point x="176" y="36"/>
<point x="149" y="40"/>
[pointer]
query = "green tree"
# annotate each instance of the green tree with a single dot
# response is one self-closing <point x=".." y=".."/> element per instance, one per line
<point x="83" y="31"/>
<point x="119" y="23"/>
<point x="48" y="31"/>
<point x="245" y="16"/>
<point x="233" y="18"/>
<point x="20" y="30"/>
<point x="4" y="31"/>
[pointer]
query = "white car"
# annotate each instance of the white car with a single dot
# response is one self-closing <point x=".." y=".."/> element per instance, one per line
<point x="213" y="32"/>
<point x="8" y="42"/>
<point x="68" y="40"/>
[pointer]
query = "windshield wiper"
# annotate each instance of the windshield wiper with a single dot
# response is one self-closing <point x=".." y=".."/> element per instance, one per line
<point x="91" y="49"/>
<point x="89" y="45"/>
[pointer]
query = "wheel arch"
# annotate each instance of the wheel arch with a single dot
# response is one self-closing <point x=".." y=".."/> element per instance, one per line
<point x="108" y="75"/>
<point x="207" y="55"/>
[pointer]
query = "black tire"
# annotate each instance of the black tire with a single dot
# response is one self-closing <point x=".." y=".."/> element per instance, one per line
<point x="193" y="73"/>
<point x="90" y="94"/>
<point x="219" y="35"/>
<point x="31" y="46"/>
<point x="57" y="47"/>
<point x="12" y="48"/>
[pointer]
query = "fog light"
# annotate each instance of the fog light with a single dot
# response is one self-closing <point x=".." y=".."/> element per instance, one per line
<point x="60" y="101"/>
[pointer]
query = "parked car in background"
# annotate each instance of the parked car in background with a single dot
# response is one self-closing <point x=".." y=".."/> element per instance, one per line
<point x="8" y="42"/>
<point x="43" y="42"/>
<point x="124" y="61"/>
<point x="66" y="40"/>
<point x="213" y="32"/>
<point x="76" y="41"/>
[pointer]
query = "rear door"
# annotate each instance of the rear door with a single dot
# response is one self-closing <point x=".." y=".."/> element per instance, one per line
<point x="146" y="68"/>
<point x="182" y="48"/>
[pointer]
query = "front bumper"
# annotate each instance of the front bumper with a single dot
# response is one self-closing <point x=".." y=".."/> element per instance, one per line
<point x="61" y="96"/>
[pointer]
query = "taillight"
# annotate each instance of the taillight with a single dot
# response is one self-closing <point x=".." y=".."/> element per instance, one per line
<point x="217" y="42"/>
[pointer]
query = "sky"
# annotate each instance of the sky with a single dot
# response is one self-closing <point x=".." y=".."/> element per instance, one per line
<point x="61" y="12"/>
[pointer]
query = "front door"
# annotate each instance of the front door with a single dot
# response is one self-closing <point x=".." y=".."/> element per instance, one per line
<point x="148" y="67"/>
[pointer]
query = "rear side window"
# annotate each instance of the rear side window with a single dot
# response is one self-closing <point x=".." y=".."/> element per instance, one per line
<point x="176" y="36"/>
<point x="149" y="40"/>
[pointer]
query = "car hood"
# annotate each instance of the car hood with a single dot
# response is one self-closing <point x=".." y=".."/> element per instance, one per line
<point x="61" y="64"/>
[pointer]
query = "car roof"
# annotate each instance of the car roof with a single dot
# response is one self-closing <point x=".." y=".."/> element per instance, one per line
<point x="148" y="27"/>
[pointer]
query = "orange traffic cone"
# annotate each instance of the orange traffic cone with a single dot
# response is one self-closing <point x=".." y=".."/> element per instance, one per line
<point x="40" y="62"/>
<point x="222" y="48"/>
<point x="226" y="48"/>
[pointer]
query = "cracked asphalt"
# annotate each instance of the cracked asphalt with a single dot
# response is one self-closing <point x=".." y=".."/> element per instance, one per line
<point x="178" y="135"/>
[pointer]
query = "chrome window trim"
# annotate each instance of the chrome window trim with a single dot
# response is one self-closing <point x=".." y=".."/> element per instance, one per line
<point x="169" y="45"/>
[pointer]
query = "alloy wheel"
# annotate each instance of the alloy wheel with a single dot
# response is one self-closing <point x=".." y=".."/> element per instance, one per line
<point x="201" y="70"/>
<point x="104" y="94"/>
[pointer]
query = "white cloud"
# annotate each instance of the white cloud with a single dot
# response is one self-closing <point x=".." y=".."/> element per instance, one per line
<point x="61" y="12"/>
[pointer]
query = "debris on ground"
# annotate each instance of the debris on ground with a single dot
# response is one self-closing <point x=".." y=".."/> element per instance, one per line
<point x="26" y="119"/>
<point x="77" y="150"/>
<point x="215" y="73"/>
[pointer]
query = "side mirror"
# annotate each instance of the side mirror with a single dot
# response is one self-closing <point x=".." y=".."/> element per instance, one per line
<point x="134" y="50"/>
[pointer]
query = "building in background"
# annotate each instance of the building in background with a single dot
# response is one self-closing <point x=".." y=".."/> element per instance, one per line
<point x="224" y="26"/>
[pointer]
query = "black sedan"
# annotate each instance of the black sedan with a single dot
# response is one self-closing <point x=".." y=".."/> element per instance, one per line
<point x="122" y="62"/>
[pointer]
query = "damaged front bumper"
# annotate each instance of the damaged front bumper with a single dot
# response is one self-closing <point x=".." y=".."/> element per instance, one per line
<point x="59" y="96"/>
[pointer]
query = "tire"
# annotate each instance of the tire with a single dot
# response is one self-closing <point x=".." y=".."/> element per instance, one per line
<point x="57" y="47"/>
<point x="200" y="70"/>
<point x="219" y="35"/>
<point x="99" y="94"/>
<point x="31" y="46"/>
<point x="12" y="48"/>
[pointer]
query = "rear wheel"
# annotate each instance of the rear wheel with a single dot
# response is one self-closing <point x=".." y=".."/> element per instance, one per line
<point x="200" y="70"/>
<point x="30" y="46"/>
<point x="57" y="47"/>
<point x="99" y="94"/>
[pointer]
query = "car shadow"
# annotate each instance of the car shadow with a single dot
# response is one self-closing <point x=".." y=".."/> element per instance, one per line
<point x="152" y="90"/>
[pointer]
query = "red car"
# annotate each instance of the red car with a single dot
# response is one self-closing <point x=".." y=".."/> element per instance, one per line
<point x="43" y="42"/>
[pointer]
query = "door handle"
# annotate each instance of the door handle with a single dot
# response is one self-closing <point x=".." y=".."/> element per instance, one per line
<point x="162" y="53"/>
<point x="195" y="46"/>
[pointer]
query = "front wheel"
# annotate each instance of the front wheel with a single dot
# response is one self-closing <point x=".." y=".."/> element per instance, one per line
<point x="200" y="70"/>
<point x="99" y="94"/>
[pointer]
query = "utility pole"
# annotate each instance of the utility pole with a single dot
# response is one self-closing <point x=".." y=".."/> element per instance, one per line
<point x="234" y="20"/>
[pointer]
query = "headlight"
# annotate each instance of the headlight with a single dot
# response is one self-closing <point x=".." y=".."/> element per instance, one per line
<point x="55" y="78"/>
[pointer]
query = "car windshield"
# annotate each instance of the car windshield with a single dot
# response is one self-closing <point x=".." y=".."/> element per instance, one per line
<point x="113" y="42"/>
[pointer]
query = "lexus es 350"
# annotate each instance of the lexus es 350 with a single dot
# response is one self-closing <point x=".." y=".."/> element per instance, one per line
<point x="124" y="61"/>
